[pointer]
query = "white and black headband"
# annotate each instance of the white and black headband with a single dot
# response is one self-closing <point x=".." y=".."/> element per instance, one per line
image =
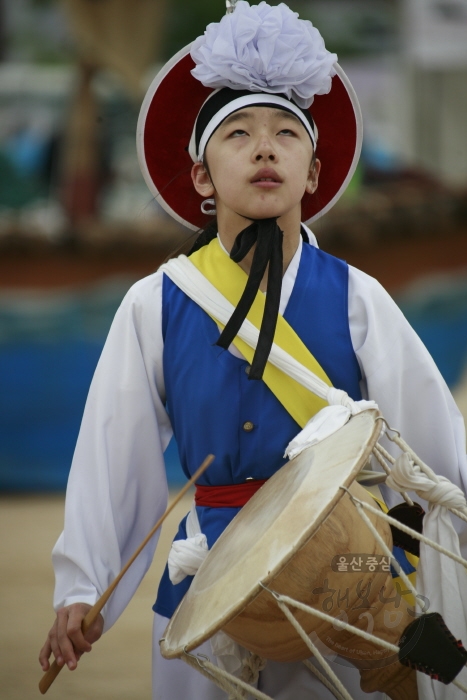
<point x="225" y="101"/>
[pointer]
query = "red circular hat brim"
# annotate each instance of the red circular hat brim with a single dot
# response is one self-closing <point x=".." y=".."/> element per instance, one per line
<point x="166" y="122"/>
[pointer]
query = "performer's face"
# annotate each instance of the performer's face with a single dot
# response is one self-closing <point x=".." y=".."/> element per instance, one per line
<point x="259" y="165"/>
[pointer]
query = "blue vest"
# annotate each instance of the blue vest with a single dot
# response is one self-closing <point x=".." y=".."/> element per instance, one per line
<point x="210" y="398"/>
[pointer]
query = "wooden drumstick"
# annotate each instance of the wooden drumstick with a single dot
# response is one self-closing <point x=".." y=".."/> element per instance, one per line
<point x="50" y="675"/>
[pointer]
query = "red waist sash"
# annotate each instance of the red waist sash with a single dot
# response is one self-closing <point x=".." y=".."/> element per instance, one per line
<point x="230" y="496"/>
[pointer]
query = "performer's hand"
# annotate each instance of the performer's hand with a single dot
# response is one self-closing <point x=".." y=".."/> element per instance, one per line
<point x="66" y="640"/>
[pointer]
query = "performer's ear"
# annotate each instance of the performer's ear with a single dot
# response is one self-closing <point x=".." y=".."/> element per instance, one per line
<point x="201" y="180"/>
<point x="313" y="175"/>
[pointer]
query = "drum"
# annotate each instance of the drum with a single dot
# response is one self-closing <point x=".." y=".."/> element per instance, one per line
<point x="300" y="535"/>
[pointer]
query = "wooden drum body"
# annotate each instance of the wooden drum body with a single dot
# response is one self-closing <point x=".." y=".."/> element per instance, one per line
<point x="289" y="537"/>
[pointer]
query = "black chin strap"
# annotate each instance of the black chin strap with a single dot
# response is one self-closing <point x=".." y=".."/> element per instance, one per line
<point x="268" y="238"/>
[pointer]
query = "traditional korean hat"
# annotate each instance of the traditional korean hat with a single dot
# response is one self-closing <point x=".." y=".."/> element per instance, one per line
<point x="256" y="55"/>
<point x="263" y="55"/>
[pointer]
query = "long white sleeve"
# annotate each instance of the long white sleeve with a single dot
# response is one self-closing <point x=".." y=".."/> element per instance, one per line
<point x="117" y="487"/>
<point x="401" y="376"/>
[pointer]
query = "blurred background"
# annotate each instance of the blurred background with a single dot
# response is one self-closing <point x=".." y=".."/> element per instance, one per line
<point x="78" y="225"/>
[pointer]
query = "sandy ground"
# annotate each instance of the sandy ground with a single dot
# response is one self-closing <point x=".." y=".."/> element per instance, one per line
<point x="119" y="667"/>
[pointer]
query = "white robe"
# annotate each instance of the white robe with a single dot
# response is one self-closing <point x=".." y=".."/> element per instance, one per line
<point x="118" y="488"/>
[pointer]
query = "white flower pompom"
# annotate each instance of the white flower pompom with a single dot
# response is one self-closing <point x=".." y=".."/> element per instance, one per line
<point x="264" y="49"/>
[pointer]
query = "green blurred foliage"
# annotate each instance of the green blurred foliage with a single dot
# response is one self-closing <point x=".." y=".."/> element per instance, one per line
<point x="37" y="30"/>
<point x="349" y="27"/>
<point x="186" y="20"/>
<point x="17" y="190"/>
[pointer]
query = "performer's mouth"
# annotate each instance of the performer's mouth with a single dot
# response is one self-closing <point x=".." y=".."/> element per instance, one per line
<point x="266" y="178"/>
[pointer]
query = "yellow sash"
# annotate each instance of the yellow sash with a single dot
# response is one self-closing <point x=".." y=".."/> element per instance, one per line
<point x="230" y="280"/>
<point x="302" y="404"/>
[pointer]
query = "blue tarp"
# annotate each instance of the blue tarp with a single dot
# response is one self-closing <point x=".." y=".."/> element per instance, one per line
<point x="437" y="309"/>
<point x="49" y="348"/>
<point x="50" y="344"/>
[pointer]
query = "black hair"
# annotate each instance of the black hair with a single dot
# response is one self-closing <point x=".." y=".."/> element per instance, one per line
<point x="205" y="235"/>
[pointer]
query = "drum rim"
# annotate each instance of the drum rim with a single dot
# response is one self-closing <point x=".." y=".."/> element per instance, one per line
<point x="169" y="652"/>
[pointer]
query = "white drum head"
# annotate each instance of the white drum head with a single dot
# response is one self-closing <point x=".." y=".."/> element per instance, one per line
<point x="280" y="518"/>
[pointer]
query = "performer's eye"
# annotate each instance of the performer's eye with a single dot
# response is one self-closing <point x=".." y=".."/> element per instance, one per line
<point x="287" y="132"/>
<point x="238" y="132"/>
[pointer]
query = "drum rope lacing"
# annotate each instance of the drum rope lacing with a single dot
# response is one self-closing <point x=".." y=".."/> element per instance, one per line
<point x="321" y="677"/>
<point x="392" y="521"/>
<point x="383" y="457"/>
<point x="236" y="688"/>
<point x="252" y="666"/>
<point x="286" y="600"/>
<point x="359" y="504"/>
<point x="341" y="691"/>
<point x="239" y="690"/>
<point x="283" y="601"/>
<point x="361" y="507"/>
<point x="423" y="480"/>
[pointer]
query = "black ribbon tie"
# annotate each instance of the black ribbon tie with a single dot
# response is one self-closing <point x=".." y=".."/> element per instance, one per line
<point x="268" y="238"/>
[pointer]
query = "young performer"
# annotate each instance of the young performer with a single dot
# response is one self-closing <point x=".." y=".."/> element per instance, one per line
<point x="263" y="110"/>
